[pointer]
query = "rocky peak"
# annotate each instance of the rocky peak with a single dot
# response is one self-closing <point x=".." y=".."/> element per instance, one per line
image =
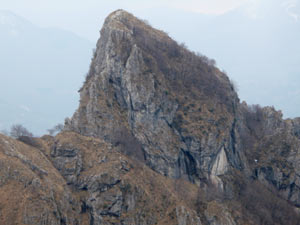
<point x="122" y="21"/>
<point x="158" y="101"/>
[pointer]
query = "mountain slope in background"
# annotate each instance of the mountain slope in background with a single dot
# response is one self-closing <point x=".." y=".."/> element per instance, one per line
<point x="39" y="69"/>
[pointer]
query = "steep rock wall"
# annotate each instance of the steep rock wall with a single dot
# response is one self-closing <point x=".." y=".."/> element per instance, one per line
<point x="179" y="109"/>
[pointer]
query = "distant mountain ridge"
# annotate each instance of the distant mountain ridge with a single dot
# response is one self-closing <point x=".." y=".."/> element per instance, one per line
<point x="11" y="21"/>
<point x="39" y="68"/>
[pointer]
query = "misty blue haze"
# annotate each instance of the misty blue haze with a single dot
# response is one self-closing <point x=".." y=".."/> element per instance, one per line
<point x="43" y="62"/>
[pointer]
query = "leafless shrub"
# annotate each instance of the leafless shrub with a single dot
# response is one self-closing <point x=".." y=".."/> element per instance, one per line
<point x="56" y="129"/>
<point x="146" y="22"/>
<point x="213" y="192"/>
<point x="234" y="85"/>
<point x="205" y="59"/>
<point x="29" y="141"/>
<point x="19" y="130"/>
<point x="254" y="116"/>
<point x="200" y="202"/>
<point x="94" y="53"/>
<point x="266" y="205"/>
<point x="183" y="45"/>
<point x="206" y="194"/>
<point x="252" y="131"/>
<point x="181" y="187"/>
<point x="91" y="71"/>
<point x="185" y="71"/>
<point x="128" y="144"/>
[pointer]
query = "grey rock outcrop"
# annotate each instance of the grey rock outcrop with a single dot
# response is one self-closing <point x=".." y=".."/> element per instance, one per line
<point x="272" y="147"/>
<point x="111" y="188"/>
<point x="174" y="110"/>
<point x="180" y="111"/>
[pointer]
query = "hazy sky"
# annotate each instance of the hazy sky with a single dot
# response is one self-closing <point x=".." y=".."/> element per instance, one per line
<point x="255" y="41"/>
<point x="86" y="17"/>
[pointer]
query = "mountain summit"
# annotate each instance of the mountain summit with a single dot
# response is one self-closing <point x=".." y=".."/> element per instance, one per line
<point x="147" y="90"/>
<point x="159" y="137"/>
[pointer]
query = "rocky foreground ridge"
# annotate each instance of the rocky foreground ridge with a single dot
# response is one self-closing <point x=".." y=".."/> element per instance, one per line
<point x="160" y="137"/>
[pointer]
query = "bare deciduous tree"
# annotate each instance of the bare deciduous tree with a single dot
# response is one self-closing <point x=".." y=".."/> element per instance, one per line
<point x="18" y="130"/>
<point x="128" y="144"/>
<point x="56" y="129"/>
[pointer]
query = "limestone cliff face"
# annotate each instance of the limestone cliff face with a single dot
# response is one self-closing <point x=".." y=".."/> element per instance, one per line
<point x="180" y="110"/>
